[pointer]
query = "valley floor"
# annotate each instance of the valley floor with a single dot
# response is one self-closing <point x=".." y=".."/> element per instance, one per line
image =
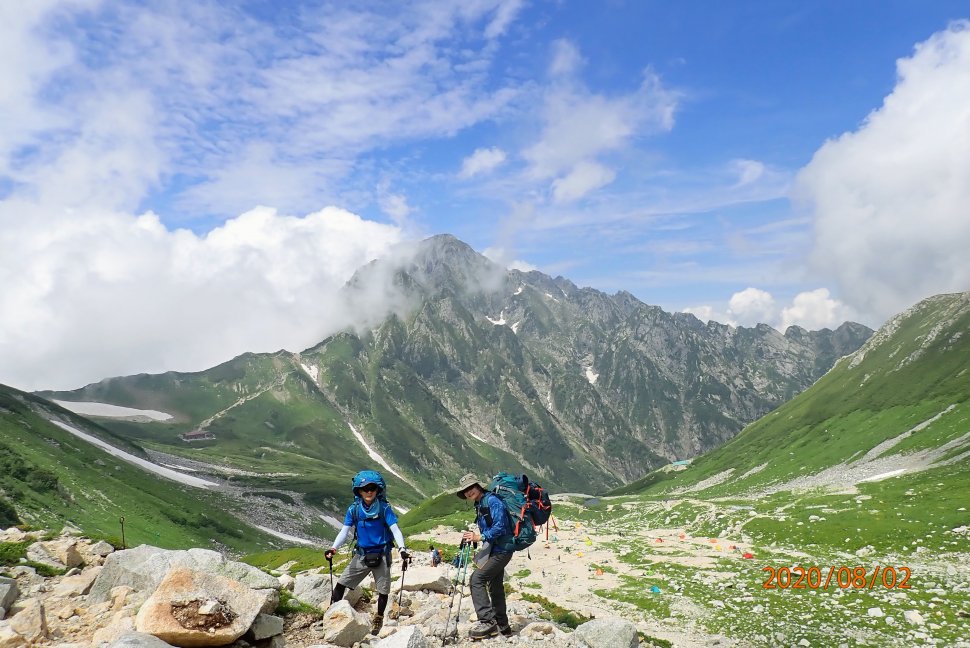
<point x="678" y="569"/>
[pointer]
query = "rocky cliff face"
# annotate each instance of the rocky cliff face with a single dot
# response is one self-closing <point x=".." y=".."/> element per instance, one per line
<point x="576" y="381"/>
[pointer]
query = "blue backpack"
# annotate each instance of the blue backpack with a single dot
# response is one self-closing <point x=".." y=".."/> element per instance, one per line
<point x="528" y="505"/>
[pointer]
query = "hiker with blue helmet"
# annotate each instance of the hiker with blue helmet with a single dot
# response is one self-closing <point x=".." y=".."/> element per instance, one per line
<point x="375" y="526"/>
<point x="488" y="581"/>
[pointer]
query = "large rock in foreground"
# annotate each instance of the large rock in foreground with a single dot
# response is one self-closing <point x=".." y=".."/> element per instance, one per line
<point x="144" y="567"/>
<point x="192" y="608"/>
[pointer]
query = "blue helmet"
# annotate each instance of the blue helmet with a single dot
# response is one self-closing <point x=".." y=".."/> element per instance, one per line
<point x="365" y="477"/>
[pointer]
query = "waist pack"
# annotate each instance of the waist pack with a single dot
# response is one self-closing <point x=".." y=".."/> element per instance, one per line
<point x="373" y="559"/>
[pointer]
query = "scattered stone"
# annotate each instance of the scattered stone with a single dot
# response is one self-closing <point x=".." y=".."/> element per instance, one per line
<point x="8" y="593"/>
<point x="409" y="637"/>
<point x="607" y="633"/>
<point x="875" y="612"/>
<point x="29" y="619"/>
<point x="429" y="579"/>
<point x="343" y="625"/>
<point x="138" y="640"/>
<point x="10" y="638"/>
<point x="264" y="627"/>
<point x="78" y="584"/>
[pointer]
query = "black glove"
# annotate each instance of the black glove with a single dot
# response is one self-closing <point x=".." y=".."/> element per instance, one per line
<point x="330" y="553"/>
<point x="405" y="556"/>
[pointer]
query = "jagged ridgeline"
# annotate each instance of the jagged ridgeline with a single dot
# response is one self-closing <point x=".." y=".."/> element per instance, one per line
<point x="881" y="442"/>
<point x="477" y="369"/>
<point x="49" y="476"/>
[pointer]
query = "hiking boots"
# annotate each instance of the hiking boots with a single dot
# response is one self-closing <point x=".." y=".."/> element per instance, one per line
<point x="482" y="630"/>
<point x="505" y="631"/>
<point x="377" y="624"/>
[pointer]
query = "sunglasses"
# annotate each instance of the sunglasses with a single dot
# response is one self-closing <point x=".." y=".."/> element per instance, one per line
<point x="369" y="488"/>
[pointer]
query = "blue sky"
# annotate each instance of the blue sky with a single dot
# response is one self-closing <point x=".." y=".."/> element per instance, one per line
<point x="198" y="167"/>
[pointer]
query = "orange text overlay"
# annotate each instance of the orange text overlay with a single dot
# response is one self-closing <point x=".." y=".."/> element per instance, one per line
<point x="836" y="576"/>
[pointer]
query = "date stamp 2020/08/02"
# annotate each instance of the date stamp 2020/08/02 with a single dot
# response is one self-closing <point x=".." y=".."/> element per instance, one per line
<point x="837" y="576"/>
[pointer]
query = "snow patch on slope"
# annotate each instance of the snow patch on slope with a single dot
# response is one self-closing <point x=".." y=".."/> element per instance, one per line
<point x="111" y="411"/>
<point x="312" y="370"/>
<point x="285" y="536"/>
<point x="168" y="473"/>
<point x="372" y="454"/>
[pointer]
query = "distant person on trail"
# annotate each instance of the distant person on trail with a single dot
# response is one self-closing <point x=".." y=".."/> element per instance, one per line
<point x="435" y="557"/>
<point x="487" y="583"/>
<point x="374" y="524"/>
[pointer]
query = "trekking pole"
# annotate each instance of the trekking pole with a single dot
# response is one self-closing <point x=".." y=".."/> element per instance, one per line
<point x="404" y="568"/>
<point x="459" y="563"/>
<point x="396" y="611"/>
<point x="461" y="591"/>
<point x="330" y="560"/>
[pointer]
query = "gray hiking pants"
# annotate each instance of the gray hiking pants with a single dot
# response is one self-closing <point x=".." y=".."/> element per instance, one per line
<point x="488" y="590"/>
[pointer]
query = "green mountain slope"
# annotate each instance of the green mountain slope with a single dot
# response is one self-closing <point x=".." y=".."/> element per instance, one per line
<point x="52" y="477"/>
<point x="480" y="369"/>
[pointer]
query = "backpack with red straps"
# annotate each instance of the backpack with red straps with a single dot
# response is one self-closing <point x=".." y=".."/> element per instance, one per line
<point x="528" y="505"/>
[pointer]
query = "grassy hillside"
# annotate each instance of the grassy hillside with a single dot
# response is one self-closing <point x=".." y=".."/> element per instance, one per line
<point x="908" y="388"/>
<point x="51" y="477"/>
<point x="869" y="467"/>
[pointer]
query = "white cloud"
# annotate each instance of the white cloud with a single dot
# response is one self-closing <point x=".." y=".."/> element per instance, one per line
<point x="579" y="125"/>
<point x="504" y="15"/>
<point x="566" y="58"/>
<point x="707" y="313"/>
<point x="584" y="177"/>
<point x="814" y="310"/>
<point x="129" y="96"/>
<point x="890" y="199"/>
<point x="503" y="257"/>
<point x="396" y="206"/>
<point x="113" y="294"/>
<point x="752" y="306"/>
<point x="748" y="171"/>
<point x="483" y="160"/>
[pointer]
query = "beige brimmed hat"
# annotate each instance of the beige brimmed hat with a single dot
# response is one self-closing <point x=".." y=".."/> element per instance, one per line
<point x="467" y="482"/>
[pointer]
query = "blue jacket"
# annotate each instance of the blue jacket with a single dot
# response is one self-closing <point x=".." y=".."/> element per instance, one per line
<point x="374" y="531"/>
<point x="494" y="521"/>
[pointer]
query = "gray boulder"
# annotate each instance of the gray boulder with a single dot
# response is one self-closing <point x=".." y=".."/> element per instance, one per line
<point x="343" y="625"/>
<point x="8" y="593"/>
<point x="409" y="637"/>
<point x="314" y="589"/>
<point x="607" y="633"/>
<point x="264" y="627"/>
<point x="138" y="640"/>
<point x="144" y="567"/>
<point x="430" y="579"/>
